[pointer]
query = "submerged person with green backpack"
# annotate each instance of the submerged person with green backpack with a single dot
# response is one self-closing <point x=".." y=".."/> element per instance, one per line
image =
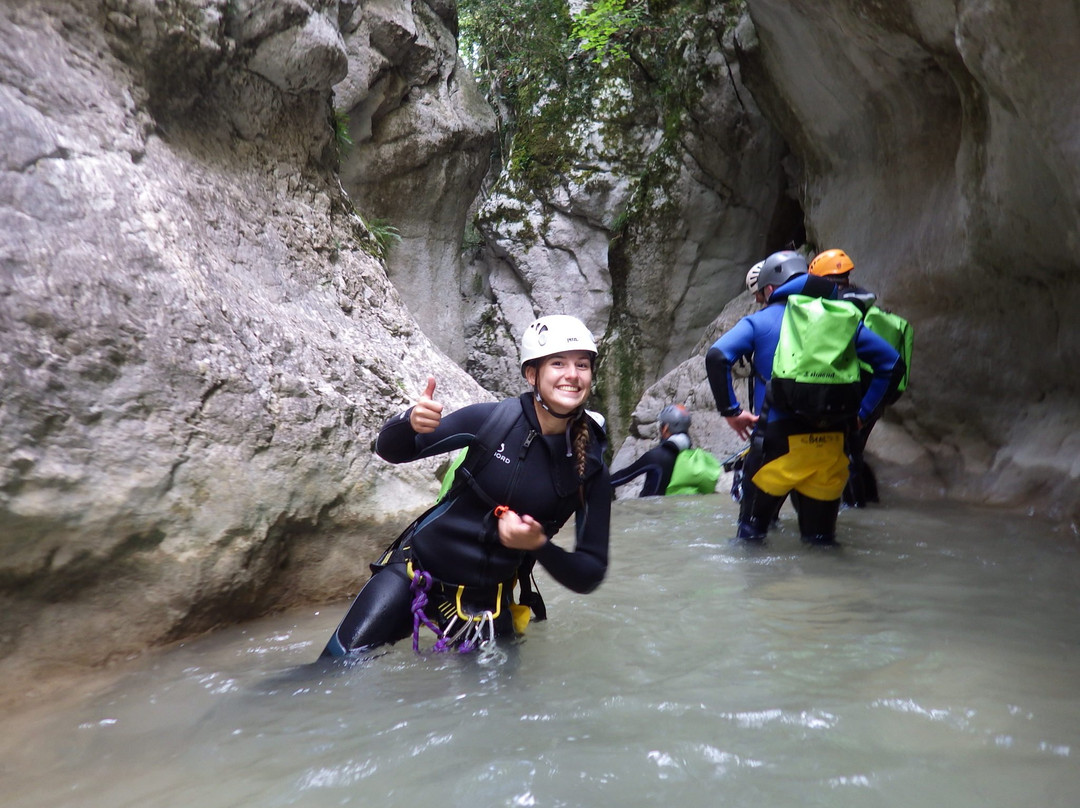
<point x="806" y="345"/>
<point x="673" y="467"/>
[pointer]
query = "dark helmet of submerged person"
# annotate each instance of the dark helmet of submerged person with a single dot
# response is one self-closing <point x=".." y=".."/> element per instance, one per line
<point x="779" y="268"/>
<point x="676" y="418"/>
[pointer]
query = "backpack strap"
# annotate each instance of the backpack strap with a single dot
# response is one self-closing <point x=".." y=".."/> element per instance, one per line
<point x="491" y="434"/>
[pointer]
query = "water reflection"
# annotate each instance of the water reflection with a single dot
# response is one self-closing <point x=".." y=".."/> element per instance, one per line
<point x="931" y="659"/>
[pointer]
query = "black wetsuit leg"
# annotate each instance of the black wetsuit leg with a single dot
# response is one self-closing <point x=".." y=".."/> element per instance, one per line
<point x="381" y="613"/>
<point x="757" y="510"/>
<point x="817" y="520"/>
<point x="862" y="483"/>
<point x="867" y="479"/>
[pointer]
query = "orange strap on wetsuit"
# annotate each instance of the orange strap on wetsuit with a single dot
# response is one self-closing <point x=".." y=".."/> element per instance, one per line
<point x="500" y="511"/>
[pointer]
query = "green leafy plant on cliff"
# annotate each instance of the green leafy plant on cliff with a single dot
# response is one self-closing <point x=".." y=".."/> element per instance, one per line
<point x="384" y="233"/>
<point x="376" y="236"/>
<point x="521" y="52"/>
<point x="342" y="137"/>
<point x="605" y="26"/>
<point x="580" y="95"/>
<point x="549" y="74"/>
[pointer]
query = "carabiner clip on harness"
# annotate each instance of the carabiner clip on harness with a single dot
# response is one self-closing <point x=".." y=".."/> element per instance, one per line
<point x="477" y="631"/>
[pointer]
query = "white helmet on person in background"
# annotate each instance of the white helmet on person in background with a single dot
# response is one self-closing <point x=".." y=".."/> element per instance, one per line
<point x="553" y="334"/>
<point x="779" y="268"/>
<point x="752" y="278"/>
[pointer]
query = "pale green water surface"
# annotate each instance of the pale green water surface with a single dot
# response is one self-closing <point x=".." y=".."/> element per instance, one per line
<point x="932" y="660"/>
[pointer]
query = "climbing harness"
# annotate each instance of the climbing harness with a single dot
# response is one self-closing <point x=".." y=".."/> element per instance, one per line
<point x="475" y="632"/>
<point x="420" y="584"/>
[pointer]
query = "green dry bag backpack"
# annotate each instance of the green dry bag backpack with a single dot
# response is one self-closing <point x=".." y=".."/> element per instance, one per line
<point x="815" y="373"/>
<point x="896" y="331"/>
<point x="696" y="471"/>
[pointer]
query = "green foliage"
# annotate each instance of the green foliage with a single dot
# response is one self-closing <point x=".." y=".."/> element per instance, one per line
<point x="521" y="52"/>
<point x="472" y="237"/>
<point x="384" y="233"/>
<point x="342" y="137"/>
<point x="620" y="222"/>
<point x="625" y="63"/>
<point x="376" y="235"/>
<point x="575" y="94"/>
<point x="605" y="27"/>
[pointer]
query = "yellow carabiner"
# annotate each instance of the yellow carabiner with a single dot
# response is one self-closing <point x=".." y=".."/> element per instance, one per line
<point x="478" y="618"/>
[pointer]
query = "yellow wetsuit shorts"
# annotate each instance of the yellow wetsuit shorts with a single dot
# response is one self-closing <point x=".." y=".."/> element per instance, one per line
<point x="815" y="465"/>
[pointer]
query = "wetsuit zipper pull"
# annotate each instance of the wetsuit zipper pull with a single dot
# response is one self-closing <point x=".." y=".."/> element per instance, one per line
<point x="525" y="446"/>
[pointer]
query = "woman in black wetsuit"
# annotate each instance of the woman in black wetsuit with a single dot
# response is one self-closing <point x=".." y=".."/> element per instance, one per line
<point x="454" y="569"/>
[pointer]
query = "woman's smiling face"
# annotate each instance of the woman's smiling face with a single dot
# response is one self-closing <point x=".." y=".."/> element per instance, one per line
<point x="564" y="380"/>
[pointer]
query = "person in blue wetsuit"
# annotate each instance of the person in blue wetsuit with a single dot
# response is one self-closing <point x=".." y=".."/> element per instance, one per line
<point x="453" y="570"/>
<point x="658" y="463"/>
<point x="787" y="454"/>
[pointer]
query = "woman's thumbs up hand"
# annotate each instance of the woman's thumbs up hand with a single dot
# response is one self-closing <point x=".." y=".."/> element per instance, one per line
<point x="427" y="413"/>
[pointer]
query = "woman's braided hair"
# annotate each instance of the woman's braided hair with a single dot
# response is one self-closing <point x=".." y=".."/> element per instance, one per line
<point x="581" y="443"/>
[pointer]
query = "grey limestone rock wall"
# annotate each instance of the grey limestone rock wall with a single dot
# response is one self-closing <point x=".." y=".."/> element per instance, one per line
<point x="198" y="343"/>
<point x="422" y="138"/>
<point x="937" y="144"/>
<point x="645" y="238"/>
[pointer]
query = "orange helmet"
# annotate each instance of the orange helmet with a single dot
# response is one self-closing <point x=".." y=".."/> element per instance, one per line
<point x="831" y="262"/>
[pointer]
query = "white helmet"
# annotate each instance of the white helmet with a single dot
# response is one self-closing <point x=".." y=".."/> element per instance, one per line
<point x="752" y="276"/>
<point x="556" y="333"/>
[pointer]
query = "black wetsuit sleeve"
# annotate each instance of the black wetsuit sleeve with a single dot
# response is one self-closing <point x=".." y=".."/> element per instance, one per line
<point x="718" y="370"/>
<point x="583" y="569"/>
<point x="656" y="464"/>
<point x="649" y="465"/>
<point x="893" y="391"/>
<point x="399" y="443"/>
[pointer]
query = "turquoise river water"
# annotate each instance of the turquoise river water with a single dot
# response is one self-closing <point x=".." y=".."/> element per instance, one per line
<point x="933" y="659"/>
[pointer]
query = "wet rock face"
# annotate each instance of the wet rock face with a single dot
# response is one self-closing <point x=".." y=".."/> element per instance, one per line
<point x="422" y="138"/>
<point x="197" y="344"/>
<point x="938" y="146"/>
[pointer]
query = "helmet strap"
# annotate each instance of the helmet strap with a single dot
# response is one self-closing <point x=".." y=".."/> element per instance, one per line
<point x="539" y="400"/>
